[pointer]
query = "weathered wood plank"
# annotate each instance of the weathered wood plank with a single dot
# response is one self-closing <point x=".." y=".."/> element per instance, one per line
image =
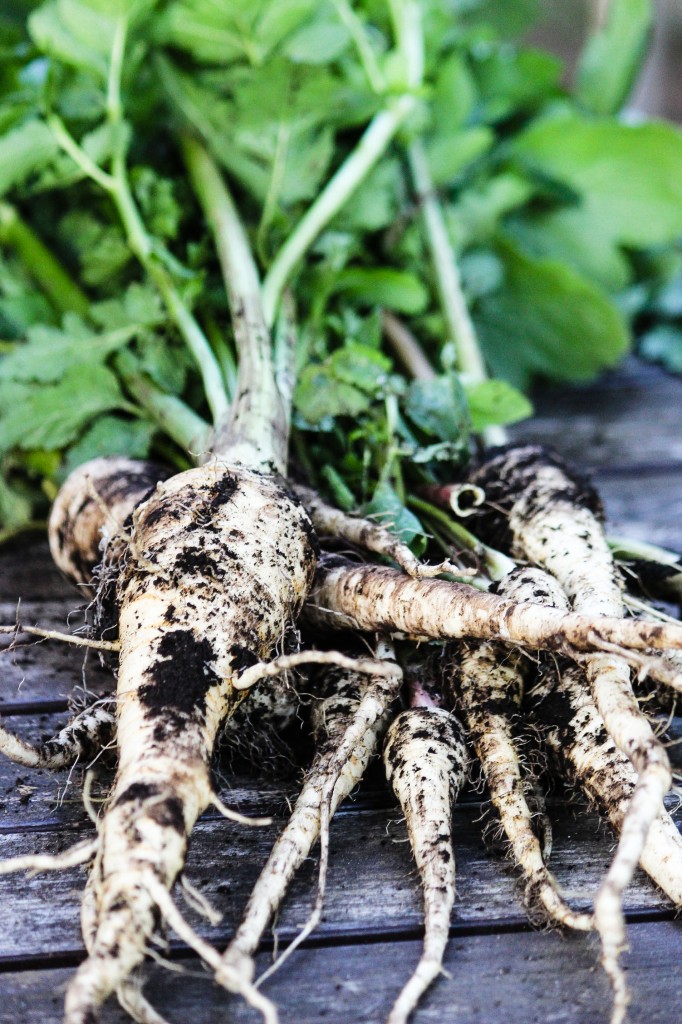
<point x="27" y="572"/>
<point x="632" y="417"/>
<point x="372" y="884"/>
<point x="47" y="671"/>
<point x="522" y="978"/>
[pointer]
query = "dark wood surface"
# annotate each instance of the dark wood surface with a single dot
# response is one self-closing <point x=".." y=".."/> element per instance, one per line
<point x="628" y="431"/>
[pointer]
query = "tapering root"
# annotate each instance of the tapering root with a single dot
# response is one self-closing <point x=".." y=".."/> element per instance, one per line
<point x="82" y="739"/>
<point x="347" y="724"/>
<point x="486" y="685"/>
<point x="425" y="760"/>
<point x="80" y="853"/>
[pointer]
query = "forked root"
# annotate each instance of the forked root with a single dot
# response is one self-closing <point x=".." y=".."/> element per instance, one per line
<point x="347" y="725"/>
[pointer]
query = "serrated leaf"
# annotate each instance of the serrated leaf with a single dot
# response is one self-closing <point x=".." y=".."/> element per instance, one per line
<point x="23" y="151"/>
<point x="319" y="396"/>
<point x="454" y="93"/>
<point x="450" y="152"/>
<point x="495" y="402"/>
<point x="375" y="203"/>
<point x="49" y="352"/>
<point x="344" y="385"/>
<point x="383" y="286"/>
<point x="318" y="43"/>
<point x="360" y="365"/>
<point x="546" y="319"/>
<point x="53" y="415"/>
<point x="111" y="435"/>
<point x="510" y="80"/>
<point x="64" y="29"/>
<point x="613" y="56"/>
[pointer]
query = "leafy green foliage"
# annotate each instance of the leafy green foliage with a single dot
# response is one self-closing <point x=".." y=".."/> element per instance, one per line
<point x="564" y="222"/>
<point x="613" y="56"/>
<point x="548" y="320"/>
<point x="54" y="415"/>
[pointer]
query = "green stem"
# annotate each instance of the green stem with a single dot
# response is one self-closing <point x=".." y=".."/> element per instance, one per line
<point x="333" y="197"/>
<point x="117" y="186"/>
<point x="43" y="267"/>
<point x="448" y="281"/>
<point x="257" y="432"/>
<point x="496" y="563"/>
<point x="369" y="62"/>
<point x="357" y="165"/>
<point x="170" y="414"/>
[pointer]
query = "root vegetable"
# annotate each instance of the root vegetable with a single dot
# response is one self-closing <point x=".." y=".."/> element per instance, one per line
<point x="486" y="684"/>
<point x="82" y="739"/>
<point x="640" y="815"/>
<point x="425" y="761"/>
<point x="374" y="598"/>
<point x="348" y="724"/>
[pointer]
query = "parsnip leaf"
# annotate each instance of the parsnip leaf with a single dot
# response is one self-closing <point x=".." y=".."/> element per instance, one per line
<point x="52" y="416"/>
<point x="548" y="320"/>
<point x="613" y="56"/>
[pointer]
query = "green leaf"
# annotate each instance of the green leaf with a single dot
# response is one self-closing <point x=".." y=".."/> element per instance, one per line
<point x="510" y="81"/>
<point x="101" y="248"/>
<point x="53" y="416"/>
<point x="383" y="286"/>
<point x="15" y="508"/>
<point x="548" y="320"/>
<point x="74" y="34"/>
<point x="375" y="202"/>
<point x="344" y="385"/>
<point x="320" y="396"/>
<point x="569" y="236"/>
<point x="450" y="153"/>
<point x="318" y="43"/>
<point x="387" y="509"/>
<point x="439" y="408"/>
<point x="613" y="56"/>
<point x="111" y="435"/>
<point x="454" y="94"/>
<point x="23" y="151"/>
<point x="629" y="176"/>
<point x="50" y="351"/>
<point x="495" y="402"/>
<point x="663" y="344"/>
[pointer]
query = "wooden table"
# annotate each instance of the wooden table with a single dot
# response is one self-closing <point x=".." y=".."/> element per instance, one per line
<point x="628" y="429"/>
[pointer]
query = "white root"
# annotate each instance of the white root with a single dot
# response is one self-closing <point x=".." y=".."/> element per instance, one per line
<point x="348" y="725"/>
<point x="34" y="863"/>
<point x="487" y="685"/>
<point x="82" y="739"/>
<point x="331" y="522"/>
<point x="425" y="761"/>
<point x="378" y="599"/>
<point x="608" y="680"/>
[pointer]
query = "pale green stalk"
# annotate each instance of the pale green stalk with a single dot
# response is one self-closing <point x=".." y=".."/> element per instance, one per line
<point x="355" y="168"/>
<point x="256" y="433"/>
<point x="448" y="282"/>
<point x="170" y="414"/>
<point x="117" y="186"/>
<point x="41" y="264"/>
